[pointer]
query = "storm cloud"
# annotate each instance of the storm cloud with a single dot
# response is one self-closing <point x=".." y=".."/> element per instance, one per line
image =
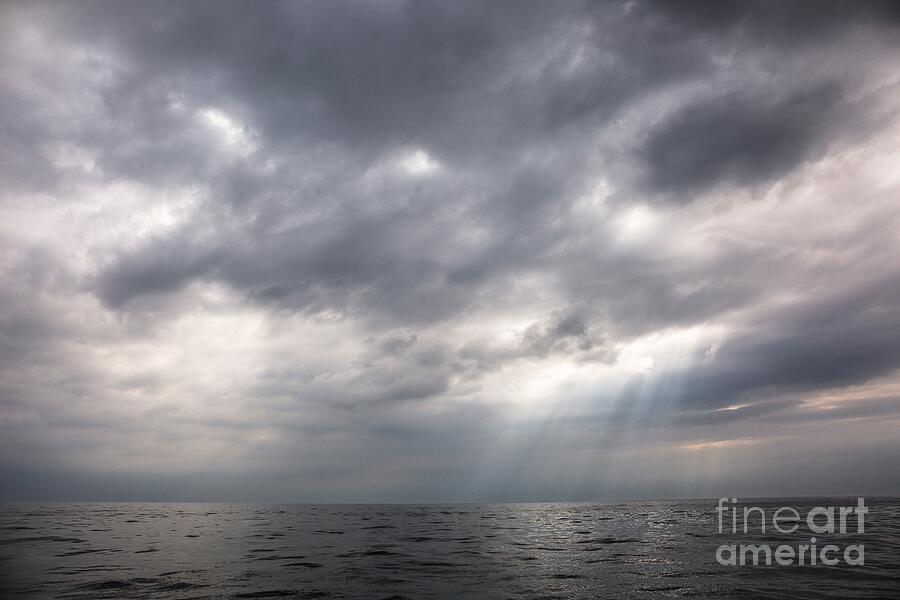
<point x="446" y="250"/>
<point x="739" y="139"/>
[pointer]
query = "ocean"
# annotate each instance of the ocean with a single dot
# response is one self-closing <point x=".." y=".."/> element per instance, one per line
<point x="661" y="549"/>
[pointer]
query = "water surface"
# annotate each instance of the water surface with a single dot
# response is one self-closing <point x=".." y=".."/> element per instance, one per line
<point x="608" y="550"/>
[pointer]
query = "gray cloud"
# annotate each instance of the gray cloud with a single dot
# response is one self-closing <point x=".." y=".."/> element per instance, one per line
<point x="825" y="343"/>
<point x="424" y="243"/>
<point x="741" y="139"/>
<point x="800" y="23"/>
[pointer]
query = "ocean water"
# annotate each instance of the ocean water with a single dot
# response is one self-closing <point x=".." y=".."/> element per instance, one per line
<point x="606" y="550"/>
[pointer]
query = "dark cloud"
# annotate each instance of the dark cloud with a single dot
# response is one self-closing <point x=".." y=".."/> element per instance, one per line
<point x="420" y="244"/>
<point x="161" y="268"/>
<point x="828" y="343"/>
<point x="564" y="334"/>
<point x="767" y="22"/>
<point x="742" y="139"/>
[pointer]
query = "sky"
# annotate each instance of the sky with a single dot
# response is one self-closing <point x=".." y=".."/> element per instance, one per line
<point x="387" y="251"/>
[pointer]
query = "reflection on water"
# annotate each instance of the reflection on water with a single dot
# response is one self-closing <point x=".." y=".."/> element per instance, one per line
<point x="630" y="550"/>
